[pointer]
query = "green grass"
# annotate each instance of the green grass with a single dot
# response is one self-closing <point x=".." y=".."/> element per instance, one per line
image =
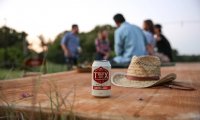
<point x="17" y="73"/>
<point x="53" y="68"/>
<point x="56" y="99"/>
<point x="10" y="73"/>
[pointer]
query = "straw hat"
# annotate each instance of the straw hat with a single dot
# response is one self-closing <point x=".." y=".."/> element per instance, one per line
<point x="143" y="71"/>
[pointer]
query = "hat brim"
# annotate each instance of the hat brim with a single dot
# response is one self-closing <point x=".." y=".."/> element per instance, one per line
<point x="119" y="79"/>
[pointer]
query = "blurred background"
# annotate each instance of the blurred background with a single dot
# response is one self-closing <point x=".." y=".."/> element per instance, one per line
<point x="33" y="28"/>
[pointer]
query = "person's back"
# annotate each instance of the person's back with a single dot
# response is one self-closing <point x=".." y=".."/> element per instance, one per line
<point x="129" y="41"/>
<point x="163" y="45"/>
<point x="148" y="29"/>
<point x="150" y="38"/>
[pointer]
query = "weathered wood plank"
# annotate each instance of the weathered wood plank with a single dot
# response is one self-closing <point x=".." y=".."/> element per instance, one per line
<point x="125" y="103"/>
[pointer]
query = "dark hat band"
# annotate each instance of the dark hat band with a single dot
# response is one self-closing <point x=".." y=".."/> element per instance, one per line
<point x="129" y="77"/>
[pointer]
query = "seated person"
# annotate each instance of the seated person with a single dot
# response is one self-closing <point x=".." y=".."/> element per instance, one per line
<point x="129" y="41"/>
<point x="148" y="28"/>
<point x="164" y="50"/>
<point x="102" y="46"/>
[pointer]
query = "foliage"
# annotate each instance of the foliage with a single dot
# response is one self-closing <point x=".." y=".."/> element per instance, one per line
<point x="55" y="53"/>
<point x="9" y="36"/>
<point x="88" y="40"/>
<point x="187" y="58"/>
<point x="184" y="58"/>
<point x="17" y="73"/>
<point x="10" y="73"/>
<point x="11" y="47"/>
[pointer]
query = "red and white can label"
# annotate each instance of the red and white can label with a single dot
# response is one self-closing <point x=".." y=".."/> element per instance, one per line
<point x="101" y="75"/>
<point x="101" y="84"/>
<point x="101" y="87"/>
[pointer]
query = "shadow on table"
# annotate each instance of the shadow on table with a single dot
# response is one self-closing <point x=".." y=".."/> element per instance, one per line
<point x="177" y="85"/>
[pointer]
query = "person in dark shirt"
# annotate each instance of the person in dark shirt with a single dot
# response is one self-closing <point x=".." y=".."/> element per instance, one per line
<point x="163" y="46"/>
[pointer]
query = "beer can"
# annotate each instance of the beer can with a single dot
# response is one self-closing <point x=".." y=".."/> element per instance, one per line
<point x="101" y="74"/>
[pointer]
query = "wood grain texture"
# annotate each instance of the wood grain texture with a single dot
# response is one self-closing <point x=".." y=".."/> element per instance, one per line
<point x="158" y="103"/>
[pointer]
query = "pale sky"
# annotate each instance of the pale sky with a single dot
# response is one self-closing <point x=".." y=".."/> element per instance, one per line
<point x="180" y="18"/>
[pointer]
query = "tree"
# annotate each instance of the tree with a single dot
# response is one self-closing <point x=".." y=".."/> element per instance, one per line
<point x="55" y="53"/>
<point x="11" y="45"/>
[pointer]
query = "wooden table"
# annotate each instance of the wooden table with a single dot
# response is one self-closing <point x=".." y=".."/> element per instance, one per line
<point x="73" y="92"/>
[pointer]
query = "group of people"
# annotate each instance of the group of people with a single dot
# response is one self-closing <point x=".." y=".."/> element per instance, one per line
<point x="129" y="40"/>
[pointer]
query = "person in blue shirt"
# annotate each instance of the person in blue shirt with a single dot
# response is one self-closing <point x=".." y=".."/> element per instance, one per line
<point x="148" y="28"/>
<point x="129" y="41"/>
<point x="70" y="44"/>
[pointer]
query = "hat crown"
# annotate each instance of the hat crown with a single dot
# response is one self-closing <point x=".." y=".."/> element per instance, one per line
<point x="144" y="66"/>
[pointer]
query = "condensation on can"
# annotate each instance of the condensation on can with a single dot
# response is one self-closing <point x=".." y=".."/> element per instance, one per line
<point x="101" y="74"/>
